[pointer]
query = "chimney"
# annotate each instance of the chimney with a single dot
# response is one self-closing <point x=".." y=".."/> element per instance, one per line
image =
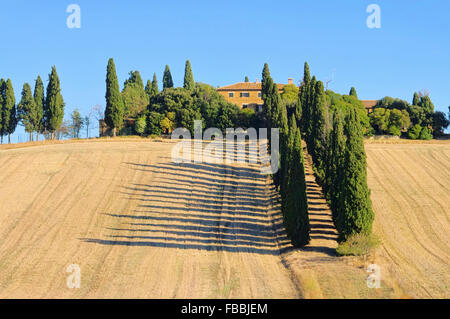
<point x="290" y="81"/>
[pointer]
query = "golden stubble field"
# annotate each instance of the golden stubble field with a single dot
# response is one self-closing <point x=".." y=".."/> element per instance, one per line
<point x="141" y="226"/>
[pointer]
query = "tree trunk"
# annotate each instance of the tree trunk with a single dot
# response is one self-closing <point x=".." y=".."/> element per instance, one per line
<point x="114" y="132"/>
<point x="53" y="136"/>
<point x="37" y="136"/>
<point x="2" y="139"/>
<point x="31" y="136"/>
<point x="9" y="138"/>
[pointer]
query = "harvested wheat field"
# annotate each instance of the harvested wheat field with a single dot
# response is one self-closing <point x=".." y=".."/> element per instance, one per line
<point x="140" y="226"/>
<point x="410" y="184"/>
<point x="137" y="225"/>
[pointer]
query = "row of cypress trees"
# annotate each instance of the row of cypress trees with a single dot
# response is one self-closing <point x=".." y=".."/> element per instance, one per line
<point x="36" y="112"/>
<point x="335" y="142"/>
<point x="115" y="107"/>
<point x="290" y="178"/>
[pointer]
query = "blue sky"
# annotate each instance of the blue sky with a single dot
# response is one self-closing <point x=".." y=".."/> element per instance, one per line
<point x="227" y="40"/>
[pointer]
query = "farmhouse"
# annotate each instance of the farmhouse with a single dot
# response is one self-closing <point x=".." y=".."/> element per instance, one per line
<point x="246" y="94"/>
<point x="369" y="105"/>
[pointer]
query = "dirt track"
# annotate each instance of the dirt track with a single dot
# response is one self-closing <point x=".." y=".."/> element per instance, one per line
<point x="137" y="224"/>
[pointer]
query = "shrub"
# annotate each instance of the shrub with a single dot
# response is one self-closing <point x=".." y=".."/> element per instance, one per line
<point x="140" y="125"/>
<point x="358" y="245"/>
<point x="425" y="134"/>
<point x="414" y="132"/>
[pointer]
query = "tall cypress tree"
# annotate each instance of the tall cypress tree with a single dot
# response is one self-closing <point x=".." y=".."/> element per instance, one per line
<point x="148" y="89"/>
<point x="2" y="87"/>
<point x="167" y="78"/>
<point x="114" y="111"/>
<point x="54" y="104"/>
<point x="155" y="89"/>
<point x="357" y="215"/>
<point x="296" y="209"/>
<point x="246" y="79"/>
<point x="9" y="119"/>
<point x="266" y="90"/>
<point x="353" y="92"/>
<point x="318" y="119"/>
<point x="304" y="98"/>
<point x="39" y="101"/>
<point x="265" y="85"/>
<point x="189" y="83"/>
<point x="416" y="99"/>
<point x="336" y="166"/>
<point x="286" y="155"/>
<point x="26" y="110"/>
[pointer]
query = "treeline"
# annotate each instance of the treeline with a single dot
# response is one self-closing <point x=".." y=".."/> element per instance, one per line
<point x="290" y="178"/>
<point x="417" y="120"/>
<point x="157" y="112"/>
<point x="36" y="111"/>
<point x="335" y="141"/>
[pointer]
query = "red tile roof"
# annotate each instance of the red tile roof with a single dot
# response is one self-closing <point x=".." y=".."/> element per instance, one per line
<point x="369" y="104"/>
<point x="246" y="86"/>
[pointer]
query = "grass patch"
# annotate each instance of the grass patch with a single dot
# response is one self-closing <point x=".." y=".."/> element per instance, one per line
<point x="358" y="245"/>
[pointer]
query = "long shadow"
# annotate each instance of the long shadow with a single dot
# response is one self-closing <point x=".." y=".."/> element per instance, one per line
<point x="187" y="211"/>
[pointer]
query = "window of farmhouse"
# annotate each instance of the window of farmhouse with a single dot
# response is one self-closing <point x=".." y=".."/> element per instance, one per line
<point x="230" y="94"/>
<point x="245" y="94"/>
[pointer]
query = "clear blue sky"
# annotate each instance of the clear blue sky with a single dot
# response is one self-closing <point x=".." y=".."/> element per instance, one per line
<point x="227" y="40"/>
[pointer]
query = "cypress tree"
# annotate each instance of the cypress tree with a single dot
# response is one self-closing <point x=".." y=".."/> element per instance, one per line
<point x="148" y="89"/>
<point x="155" y="89"/>
<point x="26" y="110"/>
<point x="265" y="85"/>
<point x="39" y="101"/>
<point x="357" y="215"/>
<point x="167" y="78"/>
<point x="286" y="155"/>
<point x="353" y="92"/>
<point x="114" y="110"/>
<point x="318" y="119"/>
<point x="189" y="83"/>
<point x="54" y="104"/>
<point x="2" y="85"/>
<point x="416" y="99"/>
<point x="336" y="165"/>
<point x="246" y="79"/>
<point x="308" y="110"/>
<point x="9" y="120"/>
<point x="296" y="216"/>
<point x="134" y="79"/>
<point x="304" y="98"/>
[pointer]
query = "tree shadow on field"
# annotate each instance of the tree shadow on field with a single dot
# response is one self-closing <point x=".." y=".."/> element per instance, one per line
<point x="202" y="206"/>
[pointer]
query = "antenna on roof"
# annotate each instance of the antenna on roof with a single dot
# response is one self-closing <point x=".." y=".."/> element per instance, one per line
<point x="327" y="81"/>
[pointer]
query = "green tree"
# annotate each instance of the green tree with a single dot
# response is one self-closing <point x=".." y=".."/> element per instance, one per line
<point x="26" y="110"/>
<point x="2" y="88"/>
<point x="189" y="83"/>
<point x="9" y="116"/>
<point x="54" y="104"/>
<point x="336" y="165"/>
<point x="319" y="130"/>
<point x="416" y="99"/>
<point x="290" y="93"/>
<point x="39" y="101"/>
<point x="167" y="78"/>
<point x="140" y="125"/>
<point x="153" y="123"/>
<point x="134" y="79"/>
<point x="246" y="79"/>
<point x="155" y="89"/>
<point x="357" y="215"/>
<point x="296" y="211"/>
<point x="134" y="96"/>
<point x="353" y="92"/>
<point x="77" y="123"/>
<point x="114" y="111"/>
<point x="440" y="122"/>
